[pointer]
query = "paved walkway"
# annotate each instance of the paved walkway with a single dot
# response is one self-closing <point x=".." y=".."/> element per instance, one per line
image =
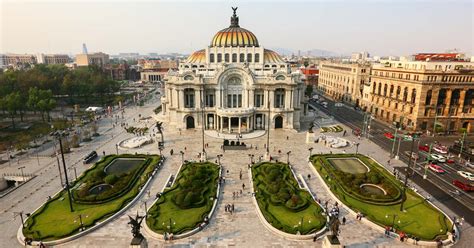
<point x="241" y="229"/>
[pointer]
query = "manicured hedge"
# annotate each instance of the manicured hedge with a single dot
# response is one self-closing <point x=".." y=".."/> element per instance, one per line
<point x="282" y="202"/>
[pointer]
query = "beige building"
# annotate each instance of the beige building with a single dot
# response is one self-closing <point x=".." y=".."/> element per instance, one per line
<point x="13" y="59"/>
<point x="343" y="81"/>
<point x="99" y="59"/>
<point x="419" y="93"/>
<point x="52" y="59"/>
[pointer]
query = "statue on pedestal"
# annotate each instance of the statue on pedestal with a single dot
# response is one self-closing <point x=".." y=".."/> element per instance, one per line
<point x="136" y="224"/>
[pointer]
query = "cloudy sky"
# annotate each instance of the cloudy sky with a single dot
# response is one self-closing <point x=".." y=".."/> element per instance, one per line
<point x="380" y="27"/>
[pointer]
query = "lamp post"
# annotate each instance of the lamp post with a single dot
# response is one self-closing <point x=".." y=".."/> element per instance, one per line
<point x="146" y="209"/>
<point x="462" y="143"/>
<point x="407" y="173"/>
<point x="58" y="135"/>
<point x="288" y="157"/>
<point x="219" y="159"/>
<point x="398" y="148"/>
<point x="22" y="174"/>
<point x="394" y="141"/>
<point x="21" y="217"/>
<point x="182" y="157"/>
<point x="393" y="219"/>
<point x="310" y="152"/>
<point x="160" y="149"/>
<point x="357" y="148"/>
<point x="116" y="148"/>
<point x="59" y="165"/>
<point x="268" y="131"/>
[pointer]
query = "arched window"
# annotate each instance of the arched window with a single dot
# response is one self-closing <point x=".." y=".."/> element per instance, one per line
<point x="226" y="57"/>
<point x="249" y="57"/>
<point x="429" y="94"/>
<point x="279" y="98"/>
<point x="405" y="94"/>
<point x="385" y="87"/>
<point x="219" y="57"/>
<point x="380" y="89"/>
<point x="257" y="58"/>
<point x="413" y="96"/>
<point x="189" y="98"/>
<point x="242" y="58"/>
<point x="211" y="58"/>
<point x="399" y="89"/>
<point x="391" y="90"/>
<point x="234" y="58"/>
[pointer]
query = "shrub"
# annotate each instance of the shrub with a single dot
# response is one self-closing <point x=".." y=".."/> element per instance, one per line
<point x="99" y="174"/>
<point x="111" y="179"/>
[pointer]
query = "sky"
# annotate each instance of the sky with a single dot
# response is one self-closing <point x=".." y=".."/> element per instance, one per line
<point x="380" y="27"/>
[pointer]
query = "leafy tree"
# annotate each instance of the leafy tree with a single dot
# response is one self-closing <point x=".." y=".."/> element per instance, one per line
<point x="13" y="103"/>
<point x="33" y="99"/>
<point x="309" y="90"/>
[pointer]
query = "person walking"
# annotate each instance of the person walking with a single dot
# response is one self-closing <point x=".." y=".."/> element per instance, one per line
<point x="344" y="220"/>
<point x="243" y="185"/>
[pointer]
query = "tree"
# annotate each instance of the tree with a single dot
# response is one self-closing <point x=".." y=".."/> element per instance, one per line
<point x="46" y="102"/>
<point x="309" y="90"/>
<point x="13" y="103"/>
<point x="33" y="99"/>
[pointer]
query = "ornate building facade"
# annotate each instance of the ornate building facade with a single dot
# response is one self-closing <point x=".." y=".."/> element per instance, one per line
<point x="234" y="86"/>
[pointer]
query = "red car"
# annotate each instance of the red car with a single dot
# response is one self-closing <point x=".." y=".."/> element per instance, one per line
<point x="425" y="148"/>
<point x="389" y="135"/>
<point x="436" y="168"/>
<point x="464" y="186"/>
<point x="450" y="161"/>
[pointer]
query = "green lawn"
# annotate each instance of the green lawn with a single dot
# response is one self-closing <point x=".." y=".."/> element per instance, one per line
<point x="284" y="205"/>
<point x="188" y="202"/>
<point x="420" y="219"/>
<point x="55" y="221"/>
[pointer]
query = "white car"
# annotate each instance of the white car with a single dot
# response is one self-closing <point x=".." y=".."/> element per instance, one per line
<point x="467" y="175"/>
<point x="440" y="149"/>
<point x="438" y="158"/>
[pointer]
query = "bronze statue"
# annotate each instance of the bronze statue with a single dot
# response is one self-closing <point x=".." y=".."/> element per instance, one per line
<point x="136" y="224"/>
<point x="159" y="127"/>
<point x="334" y="224"/>
<point x="234" y="9"/>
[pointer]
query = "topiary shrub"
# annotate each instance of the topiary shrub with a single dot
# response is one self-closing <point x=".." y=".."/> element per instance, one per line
<point x="111" y="179"/>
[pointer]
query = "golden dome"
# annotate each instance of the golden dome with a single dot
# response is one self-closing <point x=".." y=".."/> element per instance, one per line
<point x="198" y="57"/>
<point x="270" y="56"/>
<point x="234" y="35"/>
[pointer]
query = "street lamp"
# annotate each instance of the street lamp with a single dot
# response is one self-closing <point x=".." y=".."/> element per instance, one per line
<point x="310" y="152"/>
<point x="219" y="156"/>
<point x="394" y="141"/>
<point x="116" y="148"/>
<point x="357" y="147"/>
<point x="182" y="157"/>
<point x="58" y="135"/>
<point x="250" y="158"/>
<point x="21" y="217"/>
<point x="160" y="149"/>
<point x="393" y="219"/>
<point x="288" y="157"/>
<point x="146" y="209"/>
<point x="462" y="143"/>
<point x="22" y="174"/>
<point x="407" y="175"/>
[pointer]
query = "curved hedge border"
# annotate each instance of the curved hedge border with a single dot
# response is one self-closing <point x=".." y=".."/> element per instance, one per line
<point x="88" y="224"/>
<point x="323" y="162"/>
<point x="262" y="181"/>
<point x="379" y="222"/>
<point x="168" y="197"/>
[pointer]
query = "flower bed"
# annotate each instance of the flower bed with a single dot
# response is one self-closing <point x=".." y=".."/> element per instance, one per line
<point x="283" y="204"/>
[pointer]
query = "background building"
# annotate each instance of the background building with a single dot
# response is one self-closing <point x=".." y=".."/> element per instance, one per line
<point x="310" y="75"/>
<point x="52" y="59"/>
<point x="418" y="94"/>
<point x="343" y="81"/>
<point x="99" y="59"/>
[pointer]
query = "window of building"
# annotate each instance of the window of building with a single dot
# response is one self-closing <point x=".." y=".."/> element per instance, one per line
<point x="257" y="58"/>
<point x="413" y="96"/>
<point x="279" y="98"/>
<point x="189" y="98"/>
<point x="427" y="111"/>
<point x="249" y="57"/>
<point x="242" y="58"/>
<point x="234" y="58"/>
<point x="411" y="110"/>
<point x="219" y="57"/>
<point x="210" y="98"/>
<point x="258" y="99"/>
<point x="226" y="57"/>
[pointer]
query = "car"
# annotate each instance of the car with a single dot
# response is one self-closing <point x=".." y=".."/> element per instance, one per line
<point x="389" y="135"/>
<point x="438" y="158"/>
<point x="469" y="164"/>
<point x="413" y="155"/>
<point x="440" y="149"/>
<point x="90" y="157"/>
<point x="436" y="168"/>
<point x="407" y="137"/>
<point x="450" y="161"/>
<point x="464" y="185"/>
<point x="424" y="147"/>
<point x="467" y="175"/>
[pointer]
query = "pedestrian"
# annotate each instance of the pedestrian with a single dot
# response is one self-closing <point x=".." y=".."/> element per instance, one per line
<point x="240" y="192"/>
<point x="309" y="176"/>
<point x="103" y="152"/>
<point x="185" y="148"/>
<point x="243" y="186"/>
<point x="227" y="171"/>
<point x="225" y="208"/>
<point x="232" y="207"/>
<point x="240" y="176"/>
<point x="287" y="137"/>
<point x="344" y="220"/>
<point x="387" y="231"/>
<point x="233" y="195"/>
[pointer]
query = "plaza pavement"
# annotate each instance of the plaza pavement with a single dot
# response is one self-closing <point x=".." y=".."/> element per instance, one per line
<point x="241" y="229"/>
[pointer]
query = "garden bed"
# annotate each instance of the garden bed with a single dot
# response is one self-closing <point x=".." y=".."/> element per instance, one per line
<point x="420" y="219"/>
<point x="184" y="206"/>
<point x="54" y="220"/>
<point x="333" y="128"/>
<point x="283" y="204"/>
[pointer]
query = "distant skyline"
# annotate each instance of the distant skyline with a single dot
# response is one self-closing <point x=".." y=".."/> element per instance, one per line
<point x="379" y="27"/>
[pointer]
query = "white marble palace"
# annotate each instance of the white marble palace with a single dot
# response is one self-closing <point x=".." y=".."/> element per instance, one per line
<point x="233" y="86"/>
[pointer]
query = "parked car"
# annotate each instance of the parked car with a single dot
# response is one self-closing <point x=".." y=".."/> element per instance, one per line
<point x="436" y="168"/>
<point x="464" y="185"/>
<point x="469" y="164"/>
<point x="440" y="149"/>
<point x="424" y="147"/>
<point x="90" y="157"/>
<point x="467" y="175"/>
<point x="438" y="158"/>
<point x="389" y="135"/>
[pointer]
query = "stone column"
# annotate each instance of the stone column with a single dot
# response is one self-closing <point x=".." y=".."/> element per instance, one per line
<point x="228" y="118"/>
<point x="240" y="124"/>
<point x="462" y="97"/>
<point x="448" y="103"/>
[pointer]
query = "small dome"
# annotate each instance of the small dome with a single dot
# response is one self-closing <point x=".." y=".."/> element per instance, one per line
<point x="270" y="56"/>
<point x="234" y="35"/>
<point x="198" y="57"/>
